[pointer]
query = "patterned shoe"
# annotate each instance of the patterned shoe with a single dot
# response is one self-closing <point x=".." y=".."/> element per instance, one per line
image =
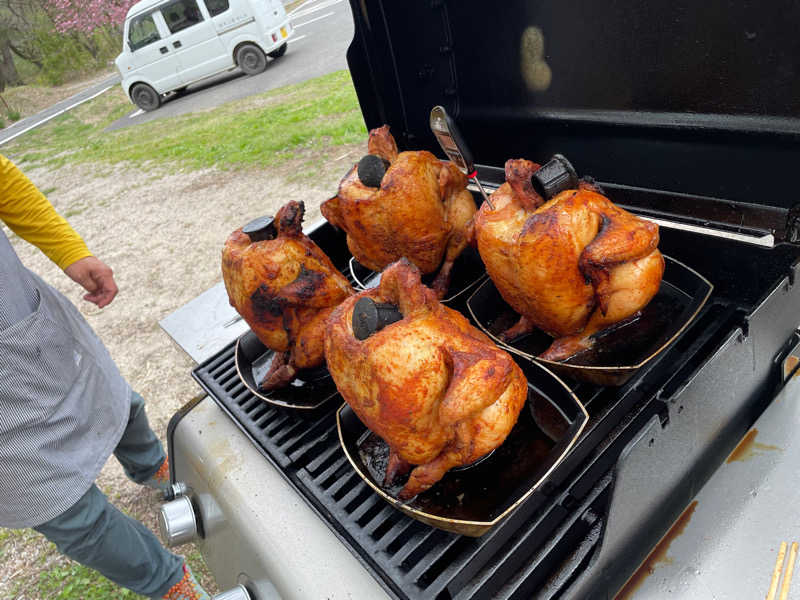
<point x="187" y="588"/>
<point x="160" y="479"/>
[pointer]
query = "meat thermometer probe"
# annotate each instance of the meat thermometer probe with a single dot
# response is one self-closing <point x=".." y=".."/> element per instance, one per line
<point x="553" y="177"/>
<point x="449" y="138"/>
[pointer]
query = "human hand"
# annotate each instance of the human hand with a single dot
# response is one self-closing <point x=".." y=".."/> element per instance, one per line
<point x="96" y="277"/>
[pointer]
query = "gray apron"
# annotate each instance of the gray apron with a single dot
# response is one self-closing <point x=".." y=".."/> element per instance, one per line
<point x="63" y="403"/>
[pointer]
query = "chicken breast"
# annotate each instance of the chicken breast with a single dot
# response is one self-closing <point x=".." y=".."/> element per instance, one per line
<point x="284" y="287"/>
<point x="433" y="387"/>
<point x="572" y="266"/>
<point x="418" y="209"/>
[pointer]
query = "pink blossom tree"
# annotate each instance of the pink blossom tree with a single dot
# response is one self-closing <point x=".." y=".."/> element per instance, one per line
<point x="87" y="16"/>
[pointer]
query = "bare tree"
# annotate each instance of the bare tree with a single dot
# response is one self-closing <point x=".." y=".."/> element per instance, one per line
<point x="19" y="20"/>
<point x="8" y="70"/>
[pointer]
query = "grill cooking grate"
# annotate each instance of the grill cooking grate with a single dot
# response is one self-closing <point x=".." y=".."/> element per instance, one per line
<point x="538" y="549"/>
<point x="545" y="540"/>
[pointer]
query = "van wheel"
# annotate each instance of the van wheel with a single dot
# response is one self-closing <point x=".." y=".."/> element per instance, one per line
<point x="251" y="59"/>
<point x="145" y="97"/>
<point x="279" y="52"/>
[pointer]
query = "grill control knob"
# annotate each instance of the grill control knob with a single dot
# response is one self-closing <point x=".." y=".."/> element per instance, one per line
<point x="177" y="522"/>
<point x="237" y="593"/>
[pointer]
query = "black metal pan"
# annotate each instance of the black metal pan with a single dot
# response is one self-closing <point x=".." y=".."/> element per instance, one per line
<point x="471" y="500"/>
<point x="309" y="390"/>
<point x="618" y="351"/>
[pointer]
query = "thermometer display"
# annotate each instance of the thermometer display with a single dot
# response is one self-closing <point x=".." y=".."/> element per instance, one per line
<point x="454" y="147"/>
<point x="449" y="139"/>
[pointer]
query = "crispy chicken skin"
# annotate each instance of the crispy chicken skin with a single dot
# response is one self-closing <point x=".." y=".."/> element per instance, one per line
<point x="572" y="266"/>
<point x="434" y="388"/>
<point x="284" y="288"/>
<point x="420" y="211"/>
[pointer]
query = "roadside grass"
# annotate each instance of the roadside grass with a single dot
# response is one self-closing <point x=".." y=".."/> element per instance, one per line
<point x="24" y="100"/>
<point x="256" y="131"/>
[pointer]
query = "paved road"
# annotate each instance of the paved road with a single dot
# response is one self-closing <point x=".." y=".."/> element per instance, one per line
<point x="28" y="123"/>
<point x="323" y="31"/>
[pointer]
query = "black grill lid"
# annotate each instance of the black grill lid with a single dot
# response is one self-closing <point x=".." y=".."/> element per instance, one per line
<point x="696" y="98"/>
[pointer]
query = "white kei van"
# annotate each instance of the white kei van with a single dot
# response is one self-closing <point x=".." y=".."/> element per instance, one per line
<point x="168" y="44"/>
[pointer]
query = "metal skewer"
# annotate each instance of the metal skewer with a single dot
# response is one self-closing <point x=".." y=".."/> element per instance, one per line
<point x="449" y="138"/>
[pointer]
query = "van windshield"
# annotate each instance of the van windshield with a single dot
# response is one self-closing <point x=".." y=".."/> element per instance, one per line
<point x="142" y="32"/>
<point x="181" y="14"/>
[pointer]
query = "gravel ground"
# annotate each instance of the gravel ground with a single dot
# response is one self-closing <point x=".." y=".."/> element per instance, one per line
<point x="161" y="231"/>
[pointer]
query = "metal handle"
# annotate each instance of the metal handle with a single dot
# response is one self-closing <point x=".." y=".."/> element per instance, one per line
<point x="176" y="43"/>
<point x="164" y="49"/>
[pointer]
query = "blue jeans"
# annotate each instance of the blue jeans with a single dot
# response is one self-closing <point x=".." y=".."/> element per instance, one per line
<point x="97" y="535"/>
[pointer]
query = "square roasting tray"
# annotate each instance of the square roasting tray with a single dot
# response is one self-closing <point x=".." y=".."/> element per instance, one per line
<point x="619" y="350"/>
<point x="309" y="390"/>
<point x="471" y="500"/>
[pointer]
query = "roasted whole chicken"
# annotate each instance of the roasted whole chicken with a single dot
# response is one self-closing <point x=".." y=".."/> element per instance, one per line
<point x="410" y="205"/>
<point x="434" y="388"/>
<point x="284" y="287"/>
<point x="571" y="266"/>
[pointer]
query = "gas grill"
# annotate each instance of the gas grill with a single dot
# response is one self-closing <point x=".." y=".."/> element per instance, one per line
<point x="546" y="543"/>
<point x="711" y="168"/>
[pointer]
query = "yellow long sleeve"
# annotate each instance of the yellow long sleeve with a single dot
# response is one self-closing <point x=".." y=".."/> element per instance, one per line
<point x="31" y="216"/>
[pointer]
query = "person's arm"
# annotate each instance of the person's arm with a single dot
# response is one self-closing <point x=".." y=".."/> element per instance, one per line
<point x="31" y="216"/>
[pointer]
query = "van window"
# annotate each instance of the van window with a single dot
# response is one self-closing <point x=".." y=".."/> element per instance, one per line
<point x="216" y="7"/>
<point x="142" y="31"/>
<point x="181" y="14"/>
